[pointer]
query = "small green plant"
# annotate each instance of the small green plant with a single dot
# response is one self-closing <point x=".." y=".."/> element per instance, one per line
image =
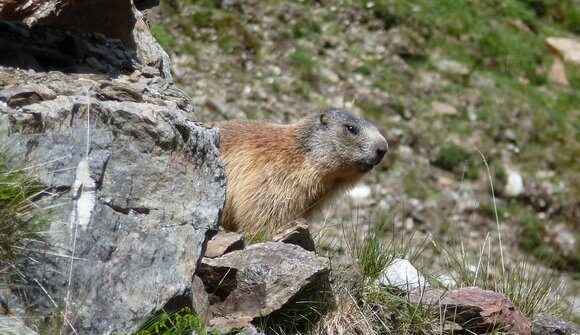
<point x="379" y="310"/>
<point x="20" y="217"/>
<point x="258" y="237"/>
<point x="394" y="313"/>
<point x="179" y="322"/>
<point x="305" y="66"/>
<point x="163" y="37"/>
<point x="371" y="245"/>
<point x="450" y="156"/>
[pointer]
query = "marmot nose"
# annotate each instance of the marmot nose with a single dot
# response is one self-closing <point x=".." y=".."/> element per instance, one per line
<point x="381" y="150"/>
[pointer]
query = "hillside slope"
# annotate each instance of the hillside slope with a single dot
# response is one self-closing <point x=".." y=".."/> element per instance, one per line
<point x="456" y="86"/>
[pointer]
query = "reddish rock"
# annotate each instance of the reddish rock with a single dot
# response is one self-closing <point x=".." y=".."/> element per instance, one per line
<point x="223" y="243"/>
<point x="476" y="309"/>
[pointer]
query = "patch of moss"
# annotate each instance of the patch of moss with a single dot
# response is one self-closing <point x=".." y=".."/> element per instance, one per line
<point x="163" y="37"/>
<point x="451" y="156"/>
<point x="305" y="28"/>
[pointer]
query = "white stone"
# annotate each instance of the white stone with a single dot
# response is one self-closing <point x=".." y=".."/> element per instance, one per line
<point x="329" y="75"/>
<point x="443" y="108"/>
<point x="557" y="73"/>
<point x="402" y="274"/>
<point x="360" y="192"/>
<point x="515" y="183"/>
<point x="451" y="66"/>
<point x="567" y="47"/>
<point x="447" y="281"/>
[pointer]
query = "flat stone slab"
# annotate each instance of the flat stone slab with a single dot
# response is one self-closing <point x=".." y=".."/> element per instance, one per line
<point x="223" y="243"/>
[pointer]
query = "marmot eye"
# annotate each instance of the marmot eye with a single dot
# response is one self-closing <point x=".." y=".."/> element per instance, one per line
<point x="351" y="129"/>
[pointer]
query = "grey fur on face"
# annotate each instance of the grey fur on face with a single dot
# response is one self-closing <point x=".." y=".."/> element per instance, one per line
<point x="339" y="140"/>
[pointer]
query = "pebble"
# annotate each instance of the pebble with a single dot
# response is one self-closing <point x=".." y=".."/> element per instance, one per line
<point x="403" y="275"/>
<point x="515" y="183"/>
<point x="451" y="66"/>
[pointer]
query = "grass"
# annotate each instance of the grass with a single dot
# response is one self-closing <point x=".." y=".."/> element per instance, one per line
<point x="179" y="322"/>
<point x="194" y="18"/>
<point x="304" y="65"/>
<point x="451" y="156"/>
<point x="388" y="310"/>
<point x="369" y="245"/>
<point x="20" y="216"/>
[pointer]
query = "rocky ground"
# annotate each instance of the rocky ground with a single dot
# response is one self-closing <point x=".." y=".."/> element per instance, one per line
<point x="478" y="100"/>
<point x="459" y="90"/>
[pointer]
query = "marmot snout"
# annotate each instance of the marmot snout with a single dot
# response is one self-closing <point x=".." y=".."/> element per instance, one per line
<point x="277" y="173"/>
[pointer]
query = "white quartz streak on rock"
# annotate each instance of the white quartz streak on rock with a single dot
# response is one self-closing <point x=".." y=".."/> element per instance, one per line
<point x="84" y="196"/>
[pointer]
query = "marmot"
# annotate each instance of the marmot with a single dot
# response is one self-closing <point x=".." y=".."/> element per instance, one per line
<point x="277" y="173"/>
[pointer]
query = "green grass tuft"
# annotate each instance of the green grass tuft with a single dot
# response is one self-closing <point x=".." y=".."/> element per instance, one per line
<point x="179" y="322"/>
<point x="304" y="65"/>
<point x="451" y="156"/>
<point x="20" y="217"/>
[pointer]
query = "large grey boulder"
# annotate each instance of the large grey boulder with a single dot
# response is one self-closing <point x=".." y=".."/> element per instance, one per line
<point x="135" y="187"/>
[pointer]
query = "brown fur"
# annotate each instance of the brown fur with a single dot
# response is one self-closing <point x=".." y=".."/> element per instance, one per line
<point x="270" y="179"/>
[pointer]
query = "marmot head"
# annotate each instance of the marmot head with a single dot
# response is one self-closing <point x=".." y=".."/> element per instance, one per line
<point x="337" y="140"/>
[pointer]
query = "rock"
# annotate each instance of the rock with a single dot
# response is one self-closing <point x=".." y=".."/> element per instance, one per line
<point x="451" y="66"/>
<point x="12" y="326"/>
<point x="95" y="24"/>
<point x="360" y="192"/>
<point x="550" y="325"/>
<point x="145" y="4"/>
<point x="251" y="330"/>
<point x="403" y="275"/>
<point x="474" y="309"/>
<point x="557" y="73"/>
<point x="347" y="277"/>
<point x="109" y="17"/>
<point x="16" y="96"/>
<point x="567" y="47"/>
<point x="200" y="300"/>
<point x="148" y="51"/>
<point x="519" y="25"/>
<point x="404" y="42"/>
<point x="445" y="181"/>
<point x="329" y="75"/>
<point x="562" y="237"/>
<point x="254" y="282"/>
<point x="223" y="243"/>
<point x="443" y="108"/>
<point x="216" y="106"/>
<point x="515" y="183"/>
<point x="447" y="281"/>
<point x="11" y="304"/>
<point x="295" y="232"/>
<point x="132" y="200"/>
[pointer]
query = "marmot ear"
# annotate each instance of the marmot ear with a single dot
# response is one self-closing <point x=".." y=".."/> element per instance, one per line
<point x="324" y="118"/>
